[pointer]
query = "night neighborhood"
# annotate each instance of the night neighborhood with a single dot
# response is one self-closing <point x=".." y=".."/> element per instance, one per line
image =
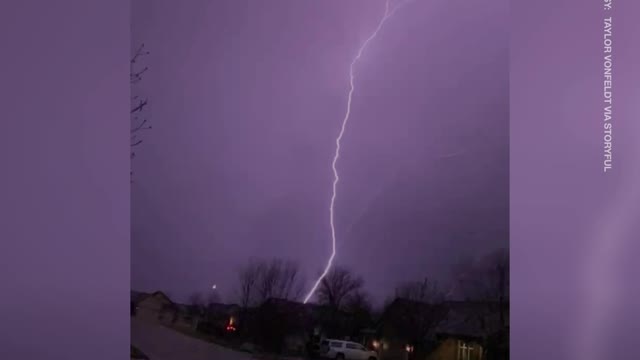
<point x="418" y="322"/>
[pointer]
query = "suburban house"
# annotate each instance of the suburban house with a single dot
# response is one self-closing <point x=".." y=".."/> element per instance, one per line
<point x="473" y="331"/>
<point x="158" y="307"/>
<point x="468" y="331"/>
<point x="155" y="307"/>
<point x="453" y="330"/>
<point x="403" y="329"/>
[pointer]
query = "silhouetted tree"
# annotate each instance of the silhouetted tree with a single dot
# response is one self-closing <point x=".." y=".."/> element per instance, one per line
<point x="335" y="291"/>
<point x="138" y="104"/>
<point x="486" y="281"/>
<point x="358" y="301"/>
<point x="485" y="278"/>
<point x="248" y="279"/>
<point x="425" y="291"/>
<point x="260" y="280"/>
<point x="279" y="279"/>
<point x="418" y="309"/>
<point x="338" y="286"/>
<point x="196" y="304"/>
<point x="359" y="307"/>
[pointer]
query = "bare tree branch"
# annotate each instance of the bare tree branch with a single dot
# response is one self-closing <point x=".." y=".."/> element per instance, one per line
<point x="135" y="76"/>
<point x="279" y="279"/>
<point x="261" y="280"/>
<point x="358" y="302"/>
<point x="417" y="310"/>
<point x="484" y="279"/>
<point x="140" y="106"/>
<point x="139" y="52"/>
<point x="420" y="291"/>
<point x="338" y="286"/>
<point x="139" y="127"/>
<point x="248" y="277"/>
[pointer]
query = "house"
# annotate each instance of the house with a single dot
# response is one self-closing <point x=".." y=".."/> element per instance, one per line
<point x="453" y="330"/>
<point x="155" y="307"/>
<point x="136" y="296"/>
<point x="404" y="329"/>
<point x="472" y="331"/>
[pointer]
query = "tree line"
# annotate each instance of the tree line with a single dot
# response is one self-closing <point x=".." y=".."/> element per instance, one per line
<point x="342" y="295"/>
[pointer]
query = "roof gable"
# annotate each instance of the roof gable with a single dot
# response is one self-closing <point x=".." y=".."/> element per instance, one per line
<point x="162" y="297"/>
<point x="471" y="319"/>
<point x="158" y="296"/>
<point x="137" y="296"/>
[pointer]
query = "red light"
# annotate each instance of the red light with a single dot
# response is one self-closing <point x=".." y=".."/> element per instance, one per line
<point x="230" y="326"/>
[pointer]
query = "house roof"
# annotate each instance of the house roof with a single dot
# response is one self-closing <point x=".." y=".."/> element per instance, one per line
<point x="182" y="307"/>
<point x="466" y="319"/>
<point x="404" y="305"/>
<point x="137" y="297"/>
<point x="470" y="319"/>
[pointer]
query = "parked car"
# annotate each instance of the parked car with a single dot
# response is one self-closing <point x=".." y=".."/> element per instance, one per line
<point x="346" y="350"/>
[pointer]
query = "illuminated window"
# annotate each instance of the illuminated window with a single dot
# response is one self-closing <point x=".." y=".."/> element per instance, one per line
<point x="465" y="351"/>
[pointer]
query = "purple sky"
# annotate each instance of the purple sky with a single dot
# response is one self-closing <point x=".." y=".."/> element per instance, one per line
<point x="246" y="101"/>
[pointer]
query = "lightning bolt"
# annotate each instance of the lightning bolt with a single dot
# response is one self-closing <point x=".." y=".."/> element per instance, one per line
<point x="388" y="12"/>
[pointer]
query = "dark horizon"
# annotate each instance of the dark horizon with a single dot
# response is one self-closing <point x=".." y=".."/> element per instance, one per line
<point x="451" y="291"/>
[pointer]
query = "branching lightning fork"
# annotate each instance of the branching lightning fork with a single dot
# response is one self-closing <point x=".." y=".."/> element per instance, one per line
<point x="387" y="14"/>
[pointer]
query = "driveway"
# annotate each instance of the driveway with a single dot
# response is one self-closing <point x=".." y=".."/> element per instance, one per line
<point x="161" y="343"/>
